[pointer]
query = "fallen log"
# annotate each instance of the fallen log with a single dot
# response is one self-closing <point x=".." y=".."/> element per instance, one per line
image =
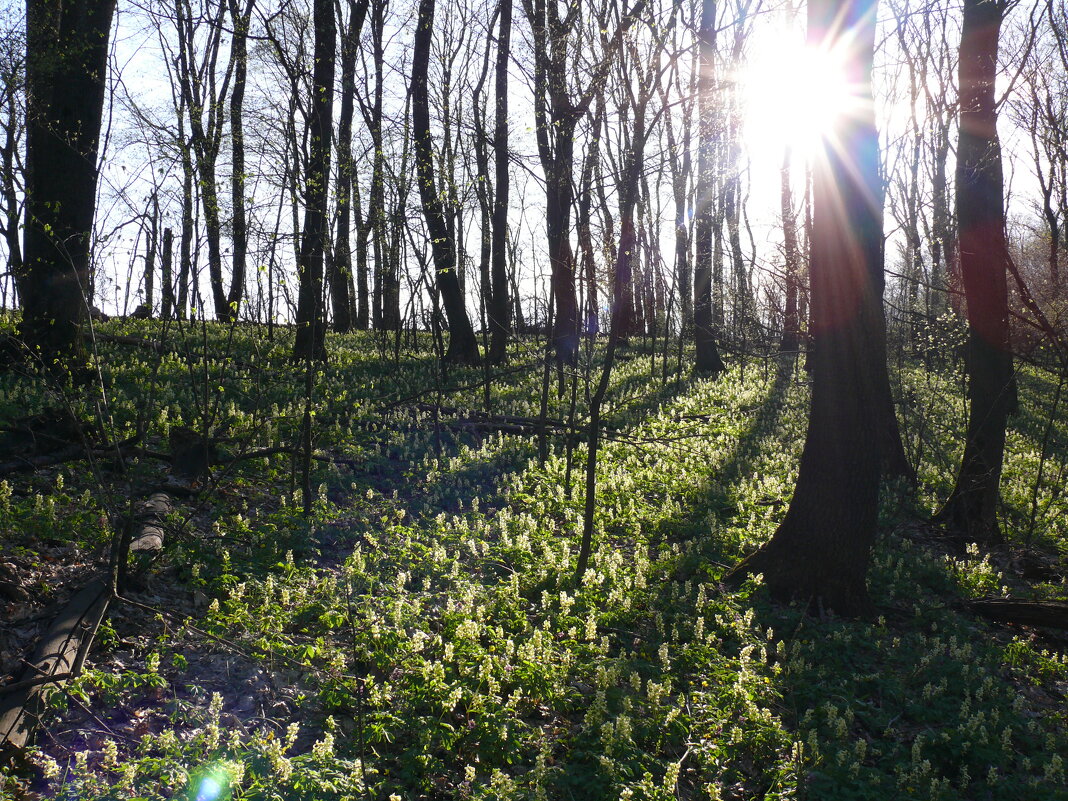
<point x="30" y="463"/>
<point x="57" y="658"/>
<point x="150" y="516"/>
<point x="475" y="419"/>
<point x="1053" y="614"/>
<point x="121" y="339"/>
<point x="73" y="454"/>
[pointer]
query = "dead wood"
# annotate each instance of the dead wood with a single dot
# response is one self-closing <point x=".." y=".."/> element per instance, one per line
<point x="150" y="516"/>
<point x="55" y="660"/>
<point x="137" y="342"/>
<point x="1053" y="614"/>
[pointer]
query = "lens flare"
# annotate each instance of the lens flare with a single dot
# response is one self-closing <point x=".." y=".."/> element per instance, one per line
<point x="212" y="783"/>
<point x="795" y="95"/>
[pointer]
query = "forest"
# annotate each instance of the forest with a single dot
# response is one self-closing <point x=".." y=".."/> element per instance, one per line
<point x="585" y="399"/>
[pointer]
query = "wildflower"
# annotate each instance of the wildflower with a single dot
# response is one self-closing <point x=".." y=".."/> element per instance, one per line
<point x="324" y="749"/>
<point x="111" y="754"/>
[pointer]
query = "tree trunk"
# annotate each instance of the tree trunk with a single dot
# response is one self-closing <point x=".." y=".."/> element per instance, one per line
<point x="791" y="325"/>
<point x="311" y="339"/>
<point x="341" y="273"/>
<point x="188" y="232"/>
<point x="590" y="322"/>
<point x="707" y="354"/>
<point x="499" y="307"/>
<point x="11" y="170"/>
<point x="823" y="546"/>
<point x="237" y="143"/>
<point x="167" y="275"/>
<point x="150" y="256"/>
<point x="971" y="510"/>
<point x="463" y="347"/>
<point x="66" y="46"/>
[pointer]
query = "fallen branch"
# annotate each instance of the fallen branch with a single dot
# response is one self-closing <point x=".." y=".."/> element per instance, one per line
<point x="150" y="515"/>
<point x="1053" y="614"/>
<point x="54" y="661"/>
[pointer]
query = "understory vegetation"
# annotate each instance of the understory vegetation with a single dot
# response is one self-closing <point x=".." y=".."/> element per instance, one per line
<point x="420" y="633"/>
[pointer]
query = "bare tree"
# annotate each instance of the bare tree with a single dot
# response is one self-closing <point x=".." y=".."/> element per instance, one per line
<point x="66" y="63"/>
<point x="707" y="354"/>
<point x="971" y="509"/>
<point x="463" y="347"/>
<point x="310" y="341"/>
<point x="823" y="546"/>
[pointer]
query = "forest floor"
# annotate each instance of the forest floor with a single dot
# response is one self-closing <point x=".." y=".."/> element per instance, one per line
<point x="419" y="634"/>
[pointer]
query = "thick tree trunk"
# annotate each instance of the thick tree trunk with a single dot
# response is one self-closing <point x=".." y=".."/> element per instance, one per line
<point x="67" y="45"/>
<point x="971" y="510"/>
<point x="463" y="347"/>
<point x="822" y="548"/>
<point x="311" y="338"/>
<point x="707" y="354"/>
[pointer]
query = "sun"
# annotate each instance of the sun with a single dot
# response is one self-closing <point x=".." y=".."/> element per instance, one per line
<point x="794" y="96"/>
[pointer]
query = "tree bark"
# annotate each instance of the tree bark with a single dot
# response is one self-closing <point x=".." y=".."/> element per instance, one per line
<point x="237" y="143"/>
<point x="971" y="510"/>
<point x="707" y="354"/>
<point x="167" y="275"/>
<point x="463" y="346"/>
<point x="341" y="274"/>
<point x="791" y="325"/>
<point x="499" y="307"/>
<point x="311" y="338"/>
<point x="66" y="64"/>
<point x="823" y="546"/>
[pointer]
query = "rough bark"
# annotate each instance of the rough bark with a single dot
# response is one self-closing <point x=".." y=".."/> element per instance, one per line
<point x="791" y="324"/>
<point x="66" y="47"/>
<point x="341" y="272"/>
<point x="499" y="307"/>
<point x="239" y="56"/>
<point x="311" y="337"/>
<point x="463" y="346"/>
<point x="823" y="546"/>
<point x="167" y="275"/>
<point x="971" y="510"/>
<point x="58" y="655"/>
<point x="707" y="353"/>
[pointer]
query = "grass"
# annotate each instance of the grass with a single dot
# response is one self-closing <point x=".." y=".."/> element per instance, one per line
<point x="420" y="636"/>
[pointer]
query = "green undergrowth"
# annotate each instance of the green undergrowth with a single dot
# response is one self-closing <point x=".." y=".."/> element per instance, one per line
<point x="428" y="639"/>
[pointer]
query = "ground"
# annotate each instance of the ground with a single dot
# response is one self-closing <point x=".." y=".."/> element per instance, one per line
<point x="419" y="634"/>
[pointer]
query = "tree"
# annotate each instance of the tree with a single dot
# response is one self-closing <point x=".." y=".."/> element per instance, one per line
<point x="239" y="51"/>
<point x="971" y="510"/>
<point x="791" y="325"/>
<point x="12" y="130"/>
<point x="341" y="274"/>
<point x="707" y="354"/>
<point x="66" y="63"/>
<point x="823" y="546"/>
<point x="311" y="338"/>
<point x="499" y="308"/>
<point x="202" y="94"/>
<point x="463" y="347"/>
<point x="557" y="116"/>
